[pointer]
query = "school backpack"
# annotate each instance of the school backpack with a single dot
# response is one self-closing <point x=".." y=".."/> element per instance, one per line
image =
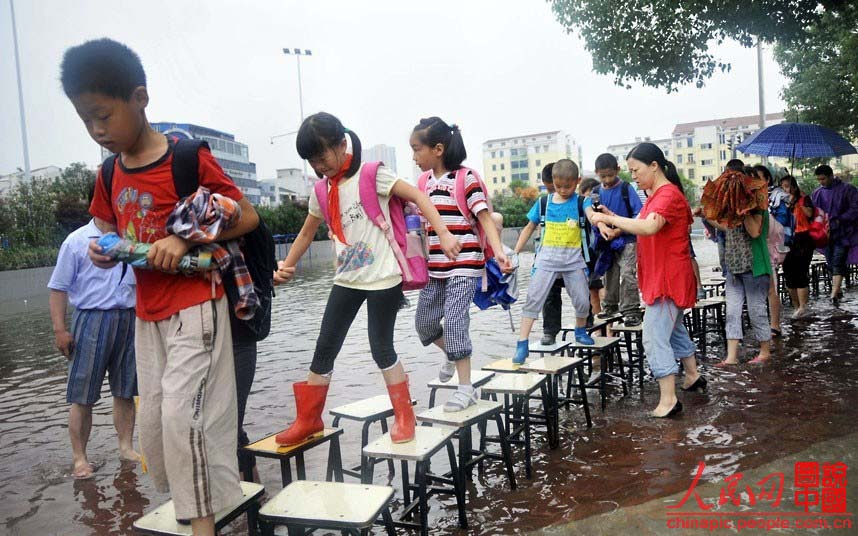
<point x="257" y="245"/>
<point x="587" y="240"/>
<point x="775" y="241"/>
<point x="462" y="203"/>
<point x="819" y="228"/>
<point x="412" y="264"/>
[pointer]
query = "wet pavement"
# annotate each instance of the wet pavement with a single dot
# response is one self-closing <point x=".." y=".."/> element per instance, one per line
<point x="751" y="416"/>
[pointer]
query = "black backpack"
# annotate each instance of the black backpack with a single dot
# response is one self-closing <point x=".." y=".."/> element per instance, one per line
<point x="257" y="245"/>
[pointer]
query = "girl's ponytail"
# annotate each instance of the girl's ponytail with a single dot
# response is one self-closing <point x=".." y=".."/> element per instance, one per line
<point x="648" y="153"/>
<point x="356" y="153"/>
<point x="672" y="175"/>
<point x="323" y="131"/>
<point x="455" y="153"/>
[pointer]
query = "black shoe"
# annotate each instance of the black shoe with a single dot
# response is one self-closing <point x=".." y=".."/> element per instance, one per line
<point x="698" y="385"/>
<point x="607" y="313"/>
<point x="589" y="323"/>
<point x="835" y="300"/>
<point x="183" y="521"/>
<point x="633" y="321"/>
<point x="673" y="411"/>
<point x="548" y="340"/>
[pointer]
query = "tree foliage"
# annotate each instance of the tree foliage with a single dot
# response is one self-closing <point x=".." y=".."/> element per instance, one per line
<point x="288" y="218"/>
<point x="821" y="65"/>
<point x="668" y="43"/>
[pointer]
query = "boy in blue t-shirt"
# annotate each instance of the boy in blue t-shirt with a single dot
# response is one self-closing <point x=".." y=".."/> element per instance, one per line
<point x="618" y="257"/>
<point x="560" y="255"/>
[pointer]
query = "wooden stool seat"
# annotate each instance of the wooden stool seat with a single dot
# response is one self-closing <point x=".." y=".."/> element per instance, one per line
<point x="480" y="411"/>
<point x="599" y="324"/>
<point x="427" y="441"/>
<point x="267" y="447"/>
<point x="599" y="343"/>
<point x="502" y="365"/>
<point x="559" y="347"/>
<point x="553" y="364"/>
<point x="162" y="520"/>
<point x="327" y="505"/>
<point x="516" y="384"/>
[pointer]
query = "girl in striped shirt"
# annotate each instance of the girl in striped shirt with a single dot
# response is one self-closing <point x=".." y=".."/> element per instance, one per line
<point x="439" y="152"/>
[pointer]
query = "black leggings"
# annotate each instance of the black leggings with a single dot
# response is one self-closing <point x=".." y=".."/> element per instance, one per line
<point x="343" y="305"/>
<point x="797" y="261"/>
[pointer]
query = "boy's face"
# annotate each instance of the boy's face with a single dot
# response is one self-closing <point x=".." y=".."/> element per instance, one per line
<point x="113" y="123"/>
<point x="608" y="177"/>
<point x="549" y="186"/>
<point x="565" y="187"/>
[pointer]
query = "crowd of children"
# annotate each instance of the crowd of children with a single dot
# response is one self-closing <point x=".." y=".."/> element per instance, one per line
<point x="593" y="234"/>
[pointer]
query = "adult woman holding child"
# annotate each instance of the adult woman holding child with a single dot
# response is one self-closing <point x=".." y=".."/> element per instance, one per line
<point x="665" y="274"/>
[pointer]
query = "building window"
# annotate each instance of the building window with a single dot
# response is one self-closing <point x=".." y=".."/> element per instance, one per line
<point x="502" y="166"/>
<point x="723" y="155"/>
<point x="690" y="173"/>
<point x="689" y="142"/>
<point x="707" y="162"/>
<point x="705" y="145"/>
<point x="503" y="144"/>
<point x="501" y="154"/>
<point x="544" y="148"/>
<point x="707" y="178"/>
<point x="538" y="163"/>
<point x="490" y="146"/>
<point x="495" y="180"/>
<point x="722" y="139"/>
<point x="503" y="179"/>
<point x="678" y="144"/>
<point x="690" y="158"/>
<point x="679" y="159"/>
<point x="493" y="154"/>
<point x="494" y="167"/>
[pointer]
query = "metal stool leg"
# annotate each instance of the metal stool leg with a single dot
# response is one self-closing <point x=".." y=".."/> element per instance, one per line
<point x="582" y="387"/>
<point x="458" y="486"/>
<point x="391" y="468"/>
<point x="388" y="521"/>
<point x="506" y="451"/>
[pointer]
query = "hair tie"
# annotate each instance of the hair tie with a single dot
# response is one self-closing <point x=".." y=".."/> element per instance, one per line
<point x="454" y="128"/>
<point x="345" y="130"/>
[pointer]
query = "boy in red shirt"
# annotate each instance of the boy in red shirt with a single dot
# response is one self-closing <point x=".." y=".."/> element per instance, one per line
<point x="185" y="368"/>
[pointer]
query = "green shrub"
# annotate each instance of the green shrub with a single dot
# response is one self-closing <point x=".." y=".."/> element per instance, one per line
<point x="22" y="257"/>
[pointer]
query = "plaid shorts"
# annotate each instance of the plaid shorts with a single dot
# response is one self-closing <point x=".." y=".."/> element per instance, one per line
<point x="448" y="299"/>
<point x="103" y="344"/>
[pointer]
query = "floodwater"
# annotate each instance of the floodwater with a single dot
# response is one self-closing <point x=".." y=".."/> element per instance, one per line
<point x="750" y="416"/>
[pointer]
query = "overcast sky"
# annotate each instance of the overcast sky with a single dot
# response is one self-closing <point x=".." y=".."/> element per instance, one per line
<point x="496" y="67"/>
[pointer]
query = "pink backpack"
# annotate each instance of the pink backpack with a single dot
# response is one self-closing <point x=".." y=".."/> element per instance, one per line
<point x="462" y="203"/>
<point x="415" y="274"/>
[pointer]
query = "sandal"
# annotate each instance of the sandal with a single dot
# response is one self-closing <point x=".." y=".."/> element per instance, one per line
<point x="776" y="332"/>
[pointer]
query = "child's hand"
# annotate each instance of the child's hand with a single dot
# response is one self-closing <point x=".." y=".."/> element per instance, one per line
<point x="284" y="273"/>
<point x="166" y="253"/>
<point x="98" y="258"/>
<point x="64" y="342"/>
<point x="598" y="217"/>
<point x="504" y="262"/>
<point x="450" y="245"/>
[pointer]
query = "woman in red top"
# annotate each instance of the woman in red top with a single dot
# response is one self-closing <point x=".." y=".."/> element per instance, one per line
<point x="797" y="261"/>
<point x="665" y="274"/>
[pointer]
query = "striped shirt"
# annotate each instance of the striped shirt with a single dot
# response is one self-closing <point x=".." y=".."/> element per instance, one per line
<point x="470" y="261"/>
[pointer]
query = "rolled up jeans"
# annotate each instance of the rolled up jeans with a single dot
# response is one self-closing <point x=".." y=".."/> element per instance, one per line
<point x="755" y="290"/>
<point x="665" y="338"/>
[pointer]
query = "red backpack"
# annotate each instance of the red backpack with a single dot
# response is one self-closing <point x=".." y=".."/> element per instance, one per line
<point x="415" y="274"/>
<point x="462" y="203"/>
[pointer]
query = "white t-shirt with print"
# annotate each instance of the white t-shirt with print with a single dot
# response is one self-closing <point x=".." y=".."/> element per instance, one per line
<point x="367" y="262"/>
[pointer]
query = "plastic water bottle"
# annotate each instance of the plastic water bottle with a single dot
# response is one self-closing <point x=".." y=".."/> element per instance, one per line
<point x="414" y="239"/>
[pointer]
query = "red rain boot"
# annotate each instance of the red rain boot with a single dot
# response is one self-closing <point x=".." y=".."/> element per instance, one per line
<point x="309" y="401"/>
<point x="402" y="430"/>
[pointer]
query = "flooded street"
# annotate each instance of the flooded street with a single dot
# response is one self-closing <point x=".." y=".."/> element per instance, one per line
<point x="750" y="416"/>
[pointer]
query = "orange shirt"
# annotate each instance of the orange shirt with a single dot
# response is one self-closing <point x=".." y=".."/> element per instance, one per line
<point x="143" y="198"/>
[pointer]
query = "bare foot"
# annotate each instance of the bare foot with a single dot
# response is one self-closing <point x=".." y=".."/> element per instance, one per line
<point x="726" y="363"/>
<point x="129" y="456"/>
<point x="758" y="360"/>
<point x="82" y="470"/>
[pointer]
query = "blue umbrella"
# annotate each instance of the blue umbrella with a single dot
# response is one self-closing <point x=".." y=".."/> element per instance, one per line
<point x="797" y="140"/>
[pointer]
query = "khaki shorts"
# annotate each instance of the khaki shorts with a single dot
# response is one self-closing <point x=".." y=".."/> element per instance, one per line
<point x="188" y="418"/>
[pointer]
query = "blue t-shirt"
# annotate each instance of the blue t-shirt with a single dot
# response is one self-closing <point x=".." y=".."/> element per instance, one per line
<point x="613" y="199"/>
<point x="560" y="248"/>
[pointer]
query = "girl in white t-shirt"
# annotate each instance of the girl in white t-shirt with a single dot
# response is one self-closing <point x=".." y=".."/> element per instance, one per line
<point x="366" y="271"/>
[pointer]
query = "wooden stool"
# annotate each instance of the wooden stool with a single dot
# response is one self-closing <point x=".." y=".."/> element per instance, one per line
<point x="479" y="414"/>
<point x="162" y="520"/>
<point x="600" y="325"/>
<point x="632" y="339"/>
<point x="478" y="379"/>
<point x="607" y="348"/>
<point x="306" y="505"/>
<point x="268" y="448"/>
<point x="504" y="365"/>
<point x="558" y="348"/>
<point x="517" y="411"/>
<point x="554" y="367"/>
<point x="699" y="325"/>
<point x="367" y="411"/>
<point x="427" y="441"/>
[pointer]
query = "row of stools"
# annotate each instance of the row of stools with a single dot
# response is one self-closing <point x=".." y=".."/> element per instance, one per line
<point x="554" y="379"/>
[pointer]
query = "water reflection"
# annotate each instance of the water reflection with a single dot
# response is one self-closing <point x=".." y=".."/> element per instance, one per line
<point x="749" y="416"/>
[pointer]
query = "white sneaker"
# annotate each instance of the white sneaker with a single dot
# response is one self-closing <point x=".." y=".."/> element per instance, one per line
<point x="801" y="312"/>
<point x="461" y="400"/>
<point x="448" y="368"/>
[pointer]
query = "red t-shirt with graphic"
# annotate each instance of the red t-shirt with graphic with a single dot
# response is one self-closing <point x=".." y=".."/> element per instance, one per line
<point x="664" y="259"/>
<point x="143" y="198"/>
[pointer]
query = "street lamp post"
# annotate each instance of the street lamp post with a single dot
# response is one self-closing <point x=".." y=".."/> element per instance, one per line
<point x="297" y="52"/>
<point x="20" y="95"/>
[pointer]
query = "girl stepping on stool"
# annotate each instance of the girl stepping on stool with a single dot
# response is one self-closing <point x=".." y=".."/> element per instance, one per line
<point x="367" y="270"/>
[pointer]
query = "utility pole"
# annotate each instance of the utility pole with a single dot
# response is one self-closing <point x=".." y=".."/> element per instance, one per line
<point x="761" y="89"/>
<point x="297" y="52"/>
<point x="20" y="96"/>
